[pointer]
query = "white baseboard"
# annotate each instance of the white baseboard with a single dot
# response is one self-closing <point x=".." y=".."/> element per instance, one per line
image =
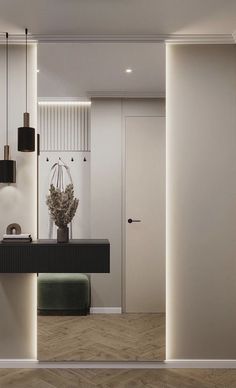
<point x="22" y="364"/>
<point x="209" y="364"/>
<point x="105" y="310"/>
<point x="176" y="364"/>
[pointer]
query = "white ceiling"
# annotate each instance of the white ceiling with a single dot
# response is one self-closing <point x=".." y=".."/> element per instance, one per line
<point x="74" y="69"/>
<point x="118" y="16"/>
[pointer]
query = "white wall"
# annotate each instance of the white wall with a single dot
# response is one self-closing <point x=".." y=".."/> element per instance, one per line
<point x="106" y="196"/>
<point x="80" y="174"/>
<point x="201" y="202"/>
<point x="18" y="204"/>
<point x="18" y="201"/>
<point x="107" y="146"/>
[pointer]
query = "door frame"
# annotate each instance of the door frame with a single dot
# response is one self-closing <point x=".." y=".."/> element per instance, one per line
<point x="123" y="200"/>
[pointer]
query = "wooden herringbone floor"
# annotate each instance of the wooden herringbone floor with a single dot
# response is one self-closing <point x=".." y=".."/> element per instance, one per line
<point x="102" y="337"/>
<point x="126" y="378"/>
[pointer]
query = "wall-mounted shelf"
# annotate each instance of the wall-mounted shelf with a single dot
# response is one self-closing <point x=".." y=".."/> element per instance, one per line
<point x="42" y="256"/>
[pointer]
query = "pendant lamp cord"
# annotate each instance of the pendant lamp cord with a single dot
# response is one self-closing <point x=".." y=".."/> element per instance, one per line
<point x="6" y="88"/>
<point x="26" y="68"/>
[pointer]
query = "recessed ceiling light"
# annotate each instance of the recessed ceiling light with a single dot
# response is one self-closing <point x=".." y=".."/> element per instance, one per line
<point x="128" y="70"/>
<point x="38" y="70"/>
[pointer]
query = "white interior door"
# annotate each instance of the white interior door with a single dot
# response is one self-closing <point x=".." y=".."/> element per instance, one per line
<point x="145" y="203"/>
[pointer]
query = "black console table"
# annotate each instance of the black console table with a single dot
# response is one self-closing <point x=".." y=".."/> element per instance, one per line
<point x="91" y="256"/>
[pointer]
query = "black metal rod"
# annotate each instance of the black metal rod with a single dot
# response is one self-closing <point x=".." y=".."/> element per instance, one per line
<point x="6" y="88"/>
<point x="26" y="69"/>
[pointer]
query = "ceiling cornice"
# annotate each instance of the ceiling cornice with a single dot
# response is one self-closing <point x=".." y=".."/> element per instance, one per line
<point x="200" y="39"/>
<point x="135" y="38"/>
<point x="123" y="94"/>
<point x="140" y="38"/>
<point x="105" y="94"/>
<point x="17" y="38"/>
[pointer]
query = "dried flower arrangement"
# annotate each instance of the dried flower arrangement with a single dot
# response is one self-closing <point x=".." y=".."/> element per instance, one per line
<point x="62" y="205"/>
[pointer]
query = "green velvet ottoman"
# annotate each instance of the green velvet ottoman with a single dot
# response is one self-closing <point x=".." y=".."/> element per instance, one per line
<point x="63" y="294"/>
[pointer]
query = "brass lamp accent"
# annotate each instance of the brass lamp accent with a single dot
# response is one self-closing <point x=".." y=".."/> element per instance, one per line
<point x="6" y="152"/>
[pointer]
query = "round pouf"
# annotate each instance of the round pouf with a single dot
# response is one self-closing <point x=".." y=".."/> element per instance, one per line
<point x="63" y="294"/>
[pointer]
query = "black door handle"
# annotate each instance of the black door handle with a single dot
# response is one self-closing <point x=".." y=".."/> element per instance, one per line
<point x="130" y="220"/>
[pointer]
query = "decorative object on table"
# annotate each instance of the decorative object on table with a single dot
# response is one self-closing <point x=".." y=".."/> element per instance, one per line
<point x="13" y="229"/>
<point x="62" y="207"/>
<point x="16" y="238"/>
<point x="26" y="134"/>
<point x="59" y="176"/>
<point x="7" y="166"/>
<point x="13" y="234"/>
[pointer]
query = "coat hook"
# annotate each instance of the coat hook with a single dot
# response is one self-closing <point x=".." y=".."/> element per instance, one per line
<point x="72" y="159"/>
<point x="47" y="160"/>
<point x="85" y="160"/>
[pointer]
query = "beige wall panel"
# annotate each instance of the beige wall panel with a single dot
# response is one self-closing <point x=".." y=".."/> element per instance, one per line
<point x="201" y="202"/>
<point x="18" y="203"/>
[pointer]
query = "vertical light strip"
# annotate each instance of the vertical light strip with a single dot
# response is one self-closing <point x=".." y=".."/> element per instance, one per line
<point x="34" y="314"/>
<point x="168" y="293"/>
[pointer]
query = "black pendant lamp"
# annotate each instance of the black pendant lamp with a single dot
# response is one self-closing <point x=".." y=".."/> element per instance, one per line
<point x="7" y="166"/>
<point x="26" y="134"/>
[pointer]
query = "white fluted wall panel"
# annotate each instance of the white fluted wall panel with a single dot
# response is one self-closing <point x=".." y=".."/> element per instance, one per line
<point x="64" y="127"/>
